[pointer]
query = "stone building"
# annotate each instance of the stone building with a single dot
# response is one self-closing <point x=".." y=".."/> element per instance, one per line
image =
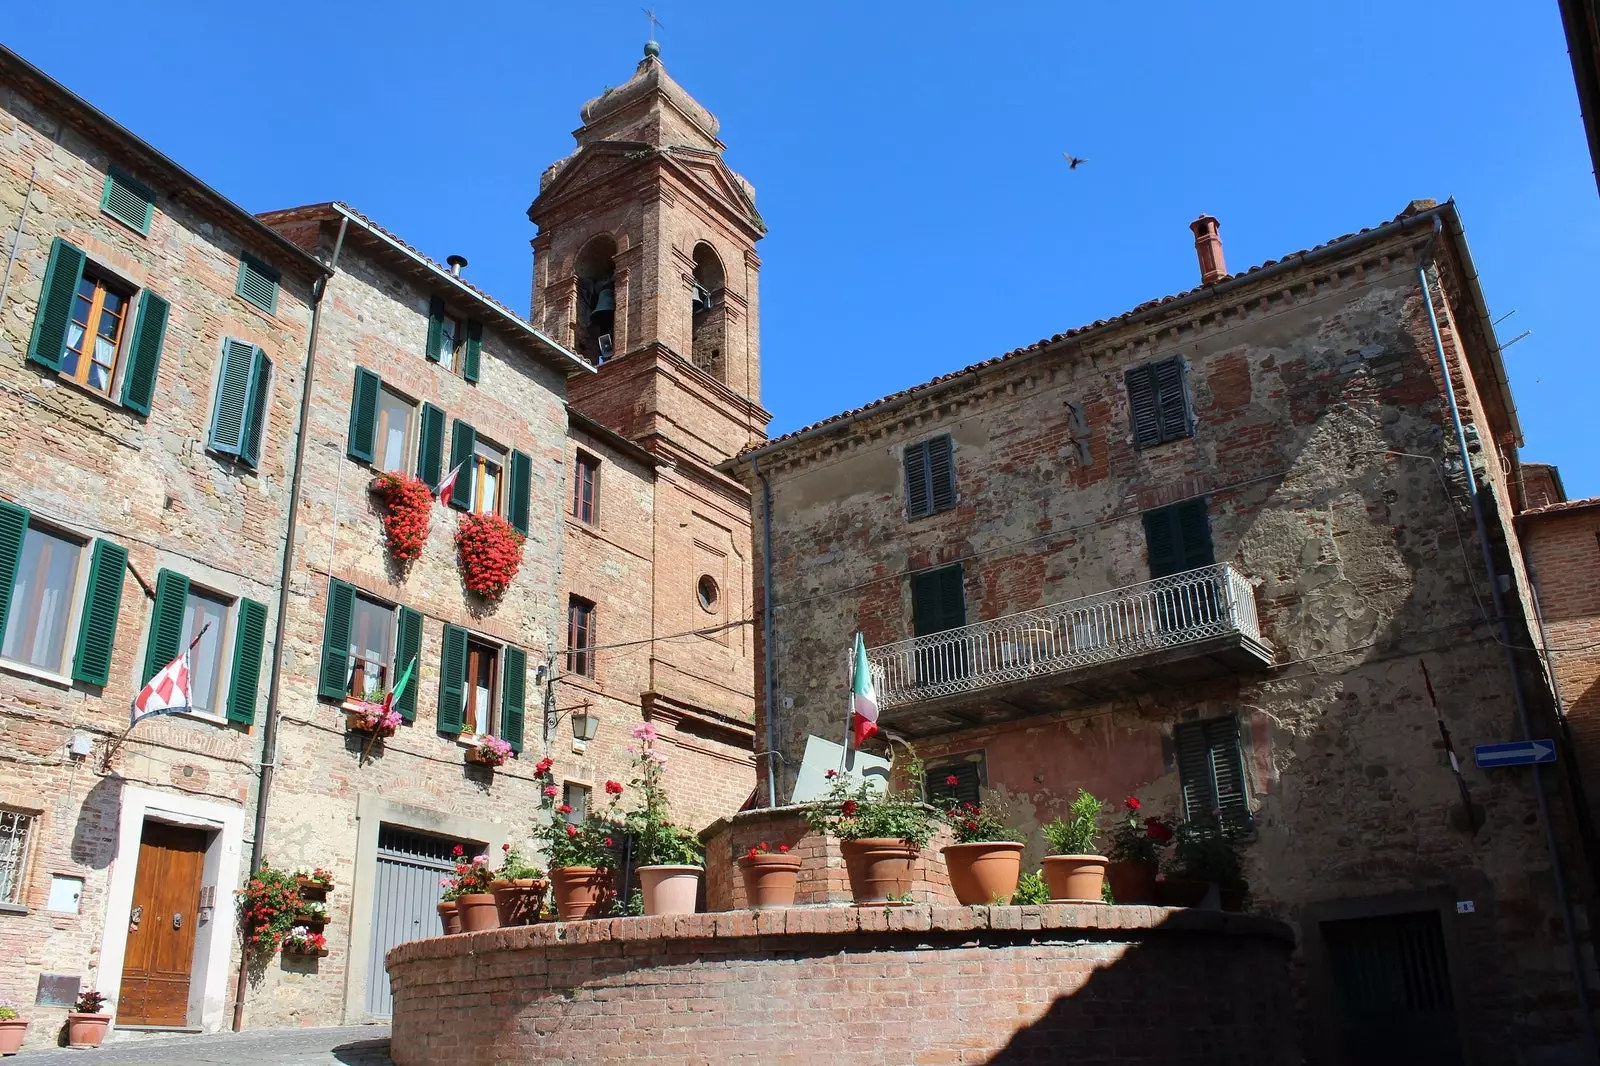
<point x="1202" y="552"/>
<point x="152" y="339"/>
<point x="645" y="264"/>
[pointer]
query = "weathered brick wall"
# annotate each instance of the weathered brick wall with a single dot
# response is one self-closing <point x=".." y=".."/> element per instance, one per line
<point x="1363" y="563"/>
<point x="375" y="317"/>
<point x="1096" y="985"/>
<point x="86" y="466"/>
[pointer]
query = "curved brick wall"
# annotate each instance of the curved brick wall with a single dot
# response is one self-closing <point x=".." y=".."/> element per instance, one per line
<point x="1118" y="986"/>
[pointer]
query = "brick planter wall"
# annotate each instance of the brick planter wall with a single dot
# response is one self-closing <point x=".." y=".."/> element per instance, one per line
<point x="1096" y="986"/>
<point x="822" y="873"/>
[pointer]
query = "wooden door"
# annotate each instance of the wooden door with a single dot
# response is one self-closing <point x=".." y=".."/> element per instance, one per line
<point x="166" y="901"/>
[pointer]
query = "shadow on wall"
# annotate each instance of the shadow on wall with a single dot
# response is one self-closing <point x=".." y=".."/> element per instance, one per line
<point x="94" y="836"/>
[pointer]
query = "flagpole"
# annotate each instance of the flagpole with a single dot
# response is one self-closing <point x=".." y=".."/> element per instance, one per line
<point x="111" y="750"/>
<point x="1450" y="750"/>
<point x="850" y="706"/>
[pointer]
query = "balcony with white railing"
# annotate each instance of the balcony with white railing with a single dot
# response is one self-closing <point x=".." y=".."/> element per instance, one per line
<point x="1181" y="629"/>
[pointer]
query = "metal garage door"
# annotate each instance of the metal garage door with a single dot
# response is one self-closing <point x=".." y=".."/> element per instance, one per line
<point x="1392" y="983"/>
<point x="405" y="900"/>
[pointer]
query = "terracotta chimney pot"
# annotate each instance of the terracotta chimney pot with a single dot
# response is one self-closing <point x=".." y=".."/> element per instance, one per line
<point x="1208" y="247"/>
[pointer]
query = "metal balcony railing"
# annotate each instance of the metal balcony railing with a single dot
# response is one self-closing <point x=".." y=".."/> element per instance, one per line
<point x="1152" y="616"/>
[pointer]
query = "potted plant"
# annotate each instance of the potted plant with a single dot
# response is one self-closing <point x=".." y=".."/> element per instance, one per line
<point x="449" y="916"/>
<point x="489" y="551"/>
<point x="769" y="876"/>
<point x="1074" y="872"/>
<point x="1206" y="854"/>
<point x="372" y="715"/>
<point x="490" y="751"/>
<point x="86" y="1025"/>
<point x="518" y="888"/>
<point x="668" y="856"/>
<point x="311" y="912"/>
<point x="1031" y="890"/>
<point x="474" y="899"/>
<point x="986" y="859"/>
<point x="13" y="1027"/>
<point x="304" y="941"/>
<point x="579" y="853"/>
<point x="317" y="879"/>
<point x="267" y="905"/>
<point x="408" y="506"/>
<point x="1136" y="854"/>
<point x="881" y="835"/>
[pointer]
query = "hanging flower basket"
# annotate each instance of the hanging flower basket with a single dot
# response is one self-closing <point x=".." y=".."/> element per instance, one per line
<point x="367" y="716"/>
<point x="489" y="751"/>
<point x="408" y="506"/>
<point x="490" y="553"/>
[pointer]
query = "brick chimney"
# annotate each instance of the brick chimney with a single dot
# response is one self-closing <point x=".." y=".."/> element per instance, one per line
<point x="1208" y="246"/>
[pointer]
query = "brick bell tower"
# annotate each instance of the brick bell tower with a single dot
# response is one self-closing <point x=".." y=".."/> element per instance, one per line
<point x="645" y="264"/>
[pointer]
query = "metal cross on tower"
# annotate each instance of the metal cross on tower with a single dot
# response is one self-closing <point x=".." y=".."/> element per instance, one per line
<point x="655" y="23"/>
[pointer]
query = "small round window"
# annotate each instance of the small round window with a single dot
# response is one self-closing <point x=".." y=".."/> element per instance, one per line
<point x="707" y="592"/>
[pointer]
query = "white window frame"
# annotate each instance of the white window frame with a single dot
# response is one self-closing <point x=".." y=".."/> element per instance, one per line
<point x="69" y="643"/>
<point x="389" y="677"/>
<point x="218" y="715"/>
<point x="409" y="448"/>
<point x="502" y="489"/>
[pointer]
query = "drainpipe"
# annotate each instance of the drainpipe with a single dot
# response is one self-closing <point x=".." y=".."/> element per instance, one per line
<point x="269" y="731"/>
<point x="1568" y="919"/>
<point x="770" y="678"/>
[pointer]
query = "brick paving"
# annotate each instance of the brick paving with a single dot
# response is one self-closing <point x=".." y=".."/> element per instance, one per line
<point x="354" y="1045"/>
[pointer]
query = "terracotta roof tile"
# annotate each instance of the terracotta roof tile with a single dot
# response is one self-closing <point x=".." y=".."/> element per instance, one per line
<point x="1564" y="505"/>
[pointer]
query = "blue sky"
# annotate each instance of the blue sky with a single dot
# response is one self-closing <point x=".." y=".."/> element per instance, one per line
<point x="908" y="158"/>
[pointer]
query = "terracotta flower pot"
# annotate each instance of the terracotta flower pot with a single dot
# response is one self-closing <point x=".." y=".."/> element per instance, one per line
<point x="517" y="902"/>
<point x="984" y="871"/>
<point x="1075" y="878"/>
<point x="879" y="867"/>
<point x="449" y="917"/>
<point x="477" y="912"/>
<point x="579" y="891"/>
<point x="1178" y="892"/>
<point x="86" y="1030"/>
<point x="1132" y="882"/>
<point x="669" y="889"/>
<point x="769" y="880"/>
<point x="11" y="1034"/>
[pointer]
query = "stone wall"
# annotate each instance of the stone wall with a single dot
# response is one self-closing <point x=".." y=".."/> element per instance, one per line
<point x="1324" y="452"/>
<point x="1130" y="986"/>
<point x="87" y="467"/>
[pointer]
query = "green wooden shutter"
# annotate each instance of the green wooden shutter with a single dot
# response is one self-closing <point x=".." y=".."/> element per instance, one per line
<point x="521" y="491"/>
<point x="249" y="640"/>
<point x="938" y="601"/>
<point x="430" y="449"/>
<point x="408" y="647"/>
<point x="918" y="498"/>
<point x="1163" y="541"/>
<point x="60" y="289"/>
<point x="258" y="284"/>
<point x="941" y="474"/>
<point x="474" y="352"/>
<point x="166" y="623"/>
<point x="128" y="200"/>
<point x="233" y="396"/>
<point x="1194" y="533"/>
<point x="334" y="680"/>
<point x="452" y="679"/>
<point x="1211" y="770"/>
<point x="13" y="531"/>
<point x="144" y="355"/>
<point x="363" y="415"/>
<point x="463" y="438"/>
<point x="513" y="689"/>
<point x="435" y="327"/>
<point x="1145" y="411"/>
<point x="102" y="599"/>
<point x="255" y="412"/>
<point x="1172" y="399"/>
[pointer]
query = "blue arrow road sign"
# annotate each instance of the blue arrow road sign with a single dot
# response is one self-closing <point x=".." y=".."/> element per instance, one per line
<point x="1520" y="753"/>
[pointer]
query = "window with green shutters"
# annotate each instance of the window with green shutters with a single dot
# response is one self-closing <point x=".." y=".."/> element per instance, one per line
<point x="144" y="355"/>
<point x="165" y="641"/>
<point x="97" y="628"/>
<point x="1178" y="538"/>
<point x="56" y="300"/>
<point x="1211" y="770"/>
<point x="363" y="415"/>
<point x="128" y="200"/>
<point x="333" y="680"/>
<point x="521" y="502"/>
<point x="930" y="477"/>
<point x="1158" y="395"/>
<point x="258" y="284"/>
<point x="250" y="637"/>
<point x="238" y="416"/>
<point x="408" y="650"/>
<point x="463" y="440"/>
<point x="474" y="351"/>
<point x="938" y="603"/>
<point x="452" y="679"/>
<point x="430" y="445"/>
<point x="968" y="771"/>
<point x="435" y="328"/>
<point x="513" y="696"/>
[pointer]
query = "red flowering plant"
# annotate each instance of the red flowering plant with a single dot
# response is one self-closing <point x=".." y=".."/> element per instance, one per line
<point x="488" y="750"/>
<point x="490" y="553"/>
<point x="267" y="905"/>
<point x="1139" y="838"/>
<point x="407" y="508"/>
<point x="591" y="842"/>
<point x="980" y="823"/>
<point x="473" y="877"/>
<point x="858" y="810"/>
<point x="764" y="848"/>
<point x="302" y="940"/>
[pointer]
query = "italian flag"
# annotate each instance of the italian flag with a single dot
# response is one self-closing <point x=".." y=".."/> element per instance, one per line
<point x="399" y="688"/>
<point x="863" y="697"/>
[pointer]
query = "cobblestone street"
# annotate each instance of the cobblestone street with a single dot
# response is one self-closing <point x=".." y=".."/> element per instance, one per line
<point x="356" y="1045"/>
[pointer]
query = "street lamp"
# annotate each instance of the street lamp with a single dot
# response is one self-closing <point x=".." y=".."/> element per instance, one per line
<point x="584" y="724"/>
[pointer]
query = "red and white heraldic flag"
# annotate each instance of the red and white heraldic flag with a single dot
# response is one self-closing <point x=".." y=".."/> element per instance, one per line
<point x="167" y="692"/>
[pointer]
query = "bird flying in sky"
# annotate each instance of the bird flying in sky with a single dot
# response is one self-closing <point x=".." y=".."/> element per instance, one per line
<point x="1072" y="161"/>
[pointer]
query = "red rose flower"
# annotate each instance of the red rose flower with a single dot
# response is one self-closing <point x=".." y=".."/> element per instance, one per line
<point x="1155" y="830"/>
<point x="1132" y="803"/>
<point x="831" y="774"/>
<point x="783" y="848"/>
<point x="752" y="853"/>
<point x="563" y="809"/>
<point x="505" y="847"/>
<point x="847" y="808"/>
<point x="458" y="850"/>
<point x="610" y="843"/>
<point x="952" y="780"/>
<point x="572" y="830"/>
<point x="614" y="787"/>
